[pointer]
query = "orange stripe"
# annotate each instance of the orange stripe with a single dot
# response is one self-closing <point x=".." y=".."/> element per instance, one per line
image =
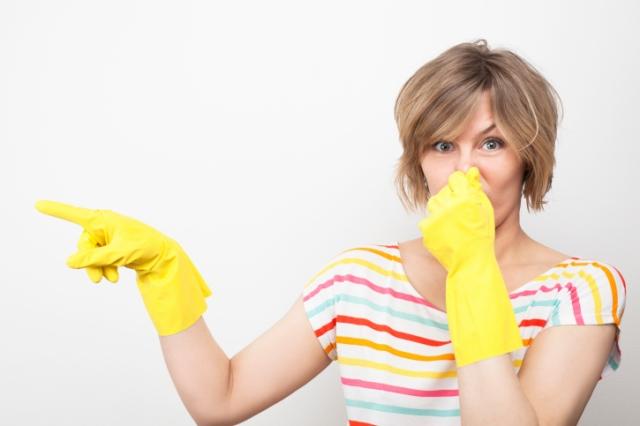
<point x="614" y="290"/>
<point x="390" y="349"/>
<point x="331" y="346"/>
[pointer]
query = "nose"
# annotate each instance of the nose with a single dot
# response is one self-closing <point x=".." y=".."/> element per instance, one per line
<point x="465" y="160"/>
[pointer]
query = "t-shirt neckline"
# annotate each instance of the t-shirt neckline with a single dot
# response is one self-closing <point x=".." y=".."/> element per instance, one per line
<point x="517" y="290"/>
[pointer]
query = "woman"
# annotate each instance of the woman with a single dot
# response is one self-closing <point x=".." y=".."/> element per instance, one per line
<point x="478" y="128"/>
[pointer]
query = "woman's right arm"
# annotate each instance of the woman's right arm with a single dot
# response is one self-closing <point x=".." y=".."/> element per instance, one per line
<point x="214" y="389"/>
<point x="217" y="390"/>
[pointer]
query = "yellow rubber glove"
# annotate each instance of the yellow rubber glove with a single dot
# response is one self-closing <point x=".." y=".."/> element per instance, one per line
<point x="172" y="289"/>
<point x="460" y="233"/>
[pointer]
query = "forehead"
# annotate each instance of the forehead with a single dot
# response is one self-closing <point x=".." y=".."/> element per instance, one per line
<point x="480" y="119"/>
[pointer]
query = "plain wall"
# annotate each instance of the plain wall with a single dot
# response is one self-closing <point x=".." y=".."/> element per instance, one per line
<point x="260" y="135"/>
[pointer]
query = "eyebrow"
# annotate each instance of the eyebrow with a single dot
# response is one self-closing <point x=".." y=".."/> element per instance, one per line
<point x="487" y="129"/>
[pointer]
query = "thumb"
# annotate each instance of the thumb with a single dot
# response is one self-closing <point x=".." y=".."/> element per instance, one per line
<point x="99" y="256"/>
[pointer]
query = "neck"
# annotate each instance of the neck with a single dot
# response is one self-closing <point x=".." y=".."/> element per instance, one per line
<point x="510" y="240"/>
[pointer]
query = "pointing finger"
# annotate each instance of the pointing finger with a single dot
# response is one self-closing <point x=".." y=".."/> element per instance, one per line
<point x="78" y="215"/>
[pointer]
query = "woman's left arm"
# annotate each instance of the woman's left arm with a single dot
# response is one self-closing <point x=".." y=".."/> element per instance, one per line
<point x="558" y="375"/>
<point x="563" y="364"/>
<point x="490" y="393"/>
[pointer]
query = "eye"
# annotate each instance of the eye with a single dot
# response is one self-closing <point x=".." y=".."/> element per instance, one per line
<point x="441" y="143"/>
<point x="493" y="142"/>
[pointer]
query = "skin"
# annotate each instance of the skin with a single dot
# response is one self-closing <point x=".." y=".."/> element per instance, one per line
<point x="519" y="257"/>
<point x="501" y="171"/>
<point x="221" y="391"/>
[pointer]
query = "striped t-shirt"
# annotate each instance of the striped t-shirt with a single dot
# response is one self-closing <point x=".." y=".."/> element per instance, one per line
<point x="393" y="348"/>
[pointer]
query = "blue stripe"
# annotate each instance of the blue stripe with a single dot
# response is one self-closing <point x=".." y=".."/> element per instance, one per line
<point x="402" y="410"/>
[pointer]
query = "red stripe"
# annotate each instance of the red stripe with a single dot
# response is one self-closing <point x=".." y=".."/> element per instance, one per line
<point x="384" y="328"/>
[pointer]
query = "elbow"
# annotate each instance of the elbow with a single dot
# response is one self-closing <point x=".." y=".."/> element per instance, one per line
<point x="212" y="422"/>
<point x="208" y="418"/>
<point x="219" y="419"/>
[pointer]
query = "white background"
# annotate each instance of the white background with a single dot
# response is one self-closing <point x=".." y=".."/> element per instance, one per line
<point x="260" y="135"/>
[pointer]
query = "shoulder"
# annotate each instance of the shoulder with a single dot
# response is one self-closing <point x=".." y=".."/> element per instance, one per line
<point x="596" y="272"/>
<point x="594" y="288"/>
<point x="584" y="274"/>
<point x="368" y="254"/>
<point x="364" y="257"/>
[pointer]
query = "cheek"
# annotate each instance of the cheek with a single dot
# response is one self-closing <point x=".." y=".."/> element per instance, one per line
<point x="503" y="190"/>
<point x="502" y="185"/>
<point x="437" y="175"/>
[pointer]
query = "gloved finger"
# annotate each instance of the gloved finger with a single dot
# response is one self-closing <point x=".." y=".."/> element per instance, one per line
<point x="95" y="274"/>
<point x="87" y="242"/>
<point x="458" y="182"/>
<point x="473" y="178"/>
<point x="434" y="204"/>
<point x="78" y="215"/>
<point x="108" y="255"/>
<point x="444" y="194"/>
<point x="108" y="271"/>
<point x="111" y="273"/>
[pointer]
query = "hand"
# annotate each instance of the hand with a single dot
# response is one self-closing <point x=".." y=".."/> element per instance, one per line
<point x="460" y="233"/>
<point x="172" y="288"/>
<point x="460" y="220"/>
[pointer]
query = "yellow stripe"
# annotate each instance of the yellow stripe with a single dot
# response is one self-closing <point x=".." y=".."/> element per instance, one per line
<point x="594" y="293"/>
<point x="372" y="266"/>
<point x="400" y="371"/>
<point x="358" y="362"/>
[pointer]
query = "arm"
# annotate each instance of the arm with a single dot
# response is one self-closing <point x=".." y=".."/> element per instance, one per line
<point x="562" y="368"/>
<point x="200" y="370"/>
<point x="490" y="393"/>
<point x="219" y="391"/>
<point x="460" y="233"/>
<point x="559" y="372"/>
<point x="214" y="389"/>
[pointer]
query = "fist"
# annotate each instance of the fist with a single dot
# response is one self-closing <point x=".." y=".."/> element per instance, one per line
<point x="460" y="220"/>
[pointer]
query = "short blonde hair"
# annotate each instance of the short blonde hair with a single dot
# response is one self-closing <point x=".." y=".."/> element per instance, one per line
<point x="441" y="95"/>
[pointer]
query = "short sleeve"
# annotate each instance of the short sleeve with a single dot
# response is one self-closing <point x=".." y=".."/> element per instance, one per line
<point x="319" y="299"/>
<point x="595" y="293"/>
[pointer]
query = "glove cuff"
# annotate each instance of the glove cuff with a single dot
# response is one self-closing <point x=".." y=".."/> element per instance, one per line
<point x="173" y="292"/>
<point x="482" y="323"/>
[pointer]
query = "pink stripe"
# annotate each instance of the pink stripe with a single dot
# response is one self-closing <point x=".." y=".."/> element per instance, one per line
<point x="543" y="287"/>
<point x="575" y="302"/>
<point x="399" y="389"/>
<point x="385" y="290"/>
<point x="324" y="285"/>
<point x="573" y="291"/>
<point x="378" y="289"/>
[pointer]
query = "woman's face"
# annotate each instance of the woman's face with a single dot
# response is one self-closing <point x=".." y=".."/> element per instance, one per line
<point x="500" y="169"/>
